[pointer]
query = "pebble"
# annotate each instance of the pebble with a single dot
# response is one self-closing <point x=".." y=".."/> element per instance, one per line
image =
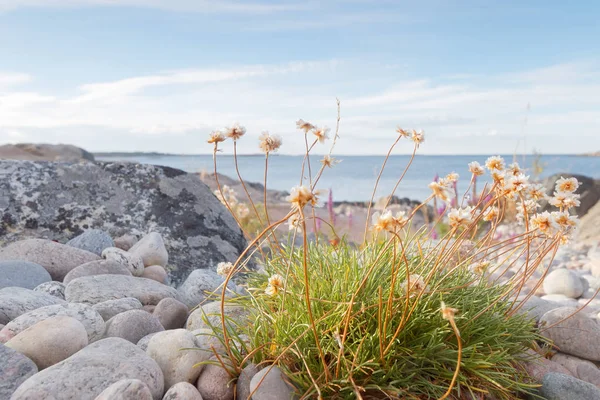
<point x="15" y="301"/>
<point x="561" y="300"/>
<point x="90" y="371"/>
<point x="594" y="267"/>
<point x="92" y="321"/>
<point x="23" y="274"/>
<point x="564" y="387"/>
<point x="579" y="368"/>
<point x="578" y="335"/>
<point x="110" y="308"/>
<point x="125" y="242"/>
<point x="214" y="382"/>
<point x="171" y="351"/>
<point x="92" y="240"/>
<point x="126" y="389"/>
<point x="15" y="369"/>
<point x="53" y="288"/>
<point x="157" y="273"/>
<point x="134" y="263"/>
<point x="184" y="391"/>
<point x="565" y="282"/>
<point x="171" y="313"/>
<point x="99" y="267"/>
<point x="270" y="384"/>
<point x="152" y="250"/>
<point x="99" y="288"/>
<point x="132" y="325"/>
<point x="58" y="259"/>
<point x="535" y="307"/>
<point x="243" y="382"/>
<point x="212" y="313"/>
<point x="200" y="282"/>
<point x="50" y="341"/>
<point x="143" y="342"/>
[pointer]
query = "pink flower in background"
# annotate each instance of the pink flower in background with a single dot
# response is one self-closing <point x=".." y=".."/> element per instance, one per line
<point x="330" y="207"/>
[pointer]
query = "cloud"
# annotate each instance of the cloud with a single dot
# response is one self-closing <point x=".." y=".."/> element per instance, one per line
<point x="12" y="79"/>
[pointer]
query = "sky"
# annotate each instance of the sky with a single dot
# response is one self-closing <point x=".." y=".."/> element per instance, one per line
<point x="479" y="77"/>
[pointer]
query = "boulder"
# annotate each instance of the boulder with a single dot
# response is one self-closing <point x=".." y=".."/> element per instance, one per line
<point x="90" y="371"/>
<point x="23" y="274"/>
<point x="110" y="308"/>
<point x="134" y="263"/>
<point x="214" y="382"/>
<point x="89" y="318"/>
<point x="56" y="258"/>
<point x="210" y="315"/>
<point x="53" y="288"/>
<point x="127" y="389"/>
<point x="200" y="283"/>
<point x="173" y="352"/>
<point x="171" y="313"/>
<point x="270" y="384"/>
<point x="243" y="382"/>
<point x="99" y="267"/>
<point x="577" y="334"/>
<point x="589" y="189"/>
<point x="15" y="369"/>
<point x="50" y="341"/>
<point x="152" y="250"/>
<point x="92" y="240"/>
<point x="156" y="273"/>
<point x="208" y="342"/>
<point x="579" y="368"/>
<point x="44" y="152"/>
<point x="588" y="230"/>
<point x="60" y="200"/>
<point x="564" y="387"/>
<point x="564" y="281"/>
<point x="132" y="325"/>
<point x="99" y="288"/>
<point x="15" y="301"/>
<point x="183" y="391"/>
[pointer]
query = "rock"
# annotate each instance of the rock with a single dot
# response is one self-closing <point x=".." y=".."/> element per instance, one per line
<point x="579" y="368"/>
<point x="149" y="308"/>
<point x="134" y="263"/>
<point x="564" y="387"/>
<point x="15" y="301"/>
<point x="207" y="341"/>
<point x="212" y="313"/>
<point x="50" y="341"/>
<point x="171" y="313"/>
<point x="143" y="342"/>
<point x="53" y="288"/>
<point x="169" y="350"/>
<point x="270" y="384"/>
<point x="152" y="250"/>
<point x="561" y="300"/>
<point x="594" y="266"/>
<point x="92" y="240"/>
<point x="125" y="242"/>
<point x="536" y="307"/>
<point x="15" y="369"/>
<point x="86" y="374"/>
<point x="44" y="152"/>
<point x="578" y="335"/>
<point x="243" y="382"/>
<point x="86" y="315"/>
<point x="23" y="274"/>
<point x="126" y="389"/>
<point x="565" y="282"/>
<point x="132" y="325"/>
<point x="183" y="391"/>
<point x="157" y="273"/>
<point x="589" y="189"/>
<point x="99" y="288"/>
<point x="59" y="200"/>
<point x="100" y="267"/>
<point x="56" y="258"/>
<point x="110" y="308"/>
<point x="198" y="284"/>
<point x="214" y="382"/>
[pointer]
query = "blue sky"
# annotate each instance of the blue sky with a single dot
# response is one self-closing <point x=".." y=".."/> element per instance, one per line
<point x="158" y="75"/>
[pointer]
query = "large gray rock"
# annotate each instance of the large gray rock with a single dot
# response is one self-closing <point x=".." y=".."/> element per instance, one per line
<point x="564" y="387"/>
<point x="579" y="368"/>
<point x="88" y="372"/>
<point x="92" y="240"/>
<point x="575" y="334"/>
<point x="15" y="301"/>
<point x="15" y="369"/>
<point x="56" y="258"/>
<point x="210" y="315"/>
<point x="44" y="151"/>
<point x="99" y="267"/>
<point x="92" y="321"/>
<point x="99" y="288"/>
<point x="199" y="284"/>
<point x="23" y="274"/>
<point x="132" y="325"/>
<point x="127" y="389"/>
<point x="110" y="308"/>
<point x="270" y="384"/>
<point x="59" y="200"/>
<point x="243" y="382"/>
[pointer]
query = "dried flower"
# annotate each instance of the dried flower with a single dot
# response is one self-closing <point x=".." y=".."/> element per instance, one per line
<point x="498" y="177"/>
<point x="479" y="268"/>
<point x="451" y="177"/>
<point x="564" y="219"/>
<point x="329" y="161"/>
<point x="269" y="143"/>
<point x="402" y="132"/>
<point x="516" y="183"/>
<point x="514" y="169"/>
<point x="276" y="283"/>
<point x="242" y="210"/>
<point x="544" y="222"/>
<point x="305" y="126"/>
<point x="417" y="285"/>
<point x="569" y="185"/>
<point x="224" y="268"/>
<point x="216" y="137"/>
<point x="300" y="196"/>
<point x="495" y="163"/>
<point x="490" y="214"/>
<point x="294" y="222"/>
<point x="321" y="134"/>
<point x="476" y="169"/>
<point x="439" y="190"/>
<point x="235" y="131"/>
<point x="448" y="312"/>
<point x="385" y="221"/>
<point x="458" y="217"/>
<point x="565" y="200"/>
<point x="537" y="192"/>
<point x="418" y="137"/>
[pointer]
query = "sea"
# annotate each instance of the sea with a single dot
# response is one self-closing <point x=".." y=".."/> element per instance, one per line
<point x="353" y="178"/>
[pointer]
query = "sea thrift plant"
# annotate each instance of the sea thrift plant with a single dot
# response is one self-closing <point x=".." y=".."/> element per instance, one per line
<point x="407" y="313"/>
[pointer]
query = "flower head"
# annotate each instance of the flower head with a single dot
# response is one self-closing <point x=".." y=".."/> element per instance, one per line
<point x="321" y="134"/>
<point x="476" y="169"/>
<point x="569" y="185"/>
<point x="305" y="126"/>
<point x="495" y="163"/>
<point x="448" y="312"/>
<point x="300" y="196"/>
<point x="544" y="222"/>
<point x="565" y="200"/>
<point x="235" y="131"/>
<point x="418" y="137"/>
<point x="417" y="285"/>
<point x="402" y="132"/>
<point x="383" y="221"/>
<point x="294" y="222"/>
<point x="269" y="143"/>
<point x="458" y="217"/>
<point x="490" y="214"/>
<point x="276" y="284"/>
<point x="451" y="177"/>
<point x="216" y="137"/>
<point x="329" y="161"/>
<point x="516" y="183"/>
<point x="479" y="268"/>
<point x="514" y="169"/>
<point x="439" y="190"/>
<point x="537" y="192"/>
<point x="224" y="268"/>
<point x="564" y="219"/>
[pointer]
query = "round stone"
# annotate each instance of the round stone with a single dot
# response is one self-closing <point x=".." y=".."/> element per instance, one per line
<point x="214" y="382"/>
<point x="23" y="274"/>
<point x="127" y="389"/>
<point x="157" y="273"/>
<point x="92" y="240"/>
<point x="53" y="288"/>
<point x="184" y="391"/>
<point x="15" y="301"/>
<point x="15" y="369"/>
<point x="110" y="308"/>
<point x="152" y="250"/>
<point x="171" y="313"/>
<point x="132" y="325"/>
<point x="212" y="313"/>
<point x="565" y="282"/>
<point x="99" y="267"/>
<point x="270" y="384"/>
<point x="134" y="263"/>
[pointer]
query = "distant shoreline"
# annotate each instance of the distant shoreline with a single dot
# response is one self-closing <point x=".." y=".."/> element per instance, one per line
<point x="158" y="154"/>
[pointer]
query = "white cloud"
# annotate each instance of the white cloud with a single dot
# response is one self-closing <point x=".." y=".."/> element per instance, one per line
<point x="12" y="79"/>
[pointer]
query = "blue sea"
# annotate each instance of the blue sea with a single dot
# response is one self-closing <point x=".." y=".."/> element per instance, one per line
<point x="353" y="178"/>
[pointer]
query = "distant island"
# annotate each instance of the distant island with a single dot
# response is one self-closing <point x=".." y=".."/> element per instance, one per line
<point x="596" y="154"/>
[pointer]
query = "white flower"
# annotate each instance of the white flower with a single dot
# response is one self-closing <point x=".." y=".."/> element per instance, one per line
<point x="402" y="132"/>
<point x="224" y="268"/>
<point x="490" y="214"/>
<point x="514" y="169"/>
<point x="537" y="192"/>
<point x="458" y="217"/>
<point x="417" y="285"/>
<point x="439" y="190"/>
<point x="216" y="137"/>
<point x="544" y="222"/>
<point x="564" y="219"/>
<point x="235" y="131"/>
<point x="294" y="223"/>
<point x="569" y="185"/>
<point x="476" y="169"/>
<point x="301" y="196"/>
<point x="305" y="126"/>
<point x="451" y="177"/>
<point x="565" y="200"/>
<point x="418" y="137"/>
<point x="329" y="161"/>
<point x="495" y="163"/>
<point x="269" y="143"/>
<point x="516" y="183"/>
<point x="321" y="134"/>
<point x="385" y="221"/>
